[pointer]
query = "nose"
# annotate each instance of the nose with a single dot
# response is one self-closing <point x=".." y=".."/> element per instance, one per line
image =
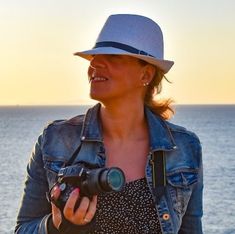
<point x="98" y="61"/>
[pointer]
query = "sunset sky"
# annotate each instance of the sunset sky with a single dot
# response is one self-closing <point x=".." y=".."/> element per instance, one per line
<point x="38" y="39"/>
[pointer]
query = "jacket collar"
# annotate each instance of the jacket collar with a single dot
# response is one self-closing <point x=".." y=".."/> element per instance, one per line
<point x="159" y="132"/>
<point x="160" y="135"/>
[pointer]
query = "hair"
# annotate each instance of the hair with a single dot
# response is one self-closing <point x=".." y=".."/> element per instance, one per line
<point x="160" y="107"/>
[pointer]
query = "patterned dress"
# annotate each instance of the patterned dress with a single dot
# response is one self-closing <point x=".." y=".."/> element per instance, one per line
<point x="130" y="211"/>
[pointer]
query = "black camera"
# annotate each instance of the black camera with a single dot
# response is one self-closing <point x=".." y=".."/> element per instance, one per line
<point x="90" y="181"/>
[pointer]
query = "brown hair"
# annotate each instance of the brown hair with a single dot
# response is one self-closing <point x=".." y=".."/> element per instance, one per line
<point x="161" y="107"/>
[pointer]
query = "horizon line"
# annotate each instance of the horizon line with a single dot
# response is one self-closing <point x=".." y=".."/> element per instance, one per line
<point x="70" y="105"/>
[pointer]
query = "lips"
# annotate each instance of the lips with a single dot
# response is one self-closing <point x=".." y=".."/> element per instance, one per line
<point x="98" y="79"/>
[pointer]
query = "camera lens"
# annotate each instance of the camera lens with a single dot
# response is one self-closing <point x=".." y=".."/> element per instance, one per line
<point x="112" y="179"/>
<point x="116" y="179"/>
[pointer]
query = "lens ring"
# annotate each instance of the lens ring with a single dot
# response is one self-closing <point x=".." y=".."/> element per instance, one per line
<point x="115" y="178"/>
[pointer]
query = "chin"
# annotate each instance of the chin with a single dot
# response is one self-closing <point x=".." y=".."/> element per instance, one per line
<point x="97" y="97"/>
<point x="105" y="100"/>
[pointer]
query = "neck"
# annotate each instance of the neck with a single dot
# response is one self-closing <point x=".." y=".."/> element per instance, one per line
<point x="124" y="121"/>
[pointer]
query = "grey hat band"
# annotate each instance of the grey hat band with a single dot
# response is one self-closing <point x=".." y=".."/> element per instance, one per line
<point x="121" y="46"/>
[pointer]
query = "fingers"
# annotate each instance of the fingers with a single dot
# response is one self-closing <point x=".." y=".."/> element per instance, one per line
<point x="91" y="210"/>
<point x="56" y="214"/>
<point x="84" y="213"/>
<point x="70" y="204"/>
<point x="82" y="209"/>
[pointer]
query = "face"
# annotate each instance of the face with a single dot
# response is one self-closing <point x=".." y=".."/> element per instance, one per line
<point x="115" y="77"/>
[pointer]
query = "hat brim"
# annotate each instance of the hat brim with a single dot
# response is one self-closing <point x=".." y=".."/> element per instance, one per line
<point x="163" y="65"/>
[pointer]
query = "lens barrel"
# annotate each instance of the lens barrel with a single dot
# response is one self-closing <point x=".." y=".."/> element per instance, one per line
<point x="103" y="180"/>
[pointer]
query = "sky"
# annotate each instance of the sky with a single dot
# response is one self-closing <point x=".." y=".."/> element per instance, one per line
<point x="38" y="39"/>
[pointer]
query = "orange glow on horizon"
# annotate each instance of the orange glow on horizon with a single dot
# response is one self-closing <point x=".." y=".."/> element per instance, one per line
<point x="38" y="41"/>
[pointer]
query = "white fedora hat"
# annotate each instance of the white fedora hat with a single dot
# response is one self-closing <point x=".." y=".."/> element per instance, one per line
<point x="133" y="35"/>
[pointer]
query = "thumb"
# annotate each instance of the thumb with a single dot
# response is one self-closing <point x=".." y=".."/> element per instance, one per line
<point x="55" y="193"/>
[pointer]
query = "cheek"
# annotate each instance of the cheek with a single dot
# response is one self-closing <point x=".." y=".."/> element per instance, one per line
<point x="133" y="78"/>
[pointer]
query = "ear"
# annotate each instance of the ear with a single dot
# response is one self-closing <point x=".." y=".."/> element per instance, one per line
<point x="147" y="74"/>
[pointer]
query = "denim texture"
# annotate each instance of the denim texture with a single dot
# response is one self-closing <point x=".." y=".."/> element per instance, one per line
<point x="179" y="209"/>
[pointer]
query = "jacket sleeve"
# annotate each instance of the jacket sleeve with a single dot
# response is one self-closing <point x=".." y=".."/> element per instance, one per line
<point x="34" y="208"/>
<point x="191" y="222"/>
<point x="34" y="216"/>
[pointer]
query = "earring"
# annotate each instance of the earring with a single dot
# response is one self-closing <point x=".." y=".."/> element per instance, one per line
<point x="145" y="84"/>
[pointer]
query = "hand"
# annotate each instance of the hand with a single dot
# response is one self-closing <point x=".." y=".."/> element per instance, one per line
<point x="81" y="216"/>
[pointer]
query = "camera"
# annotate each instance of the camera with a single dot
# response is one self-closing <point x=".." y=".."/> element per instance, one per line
<point x="90" y="181"/>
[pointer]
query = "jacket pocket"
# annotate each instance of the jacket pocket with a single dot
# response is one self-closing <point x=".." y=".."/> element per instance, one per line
<point x="180" y="186"/>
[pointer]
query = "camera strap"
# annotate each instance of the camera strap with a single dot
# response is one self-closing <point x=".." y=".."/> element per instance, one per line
<point x="74" y="155"/>
<point x="158" y="173"/>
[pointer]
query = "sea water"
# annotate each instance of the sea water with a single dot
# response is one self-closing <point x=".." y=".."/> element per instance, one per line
<point x="214" y="124"/>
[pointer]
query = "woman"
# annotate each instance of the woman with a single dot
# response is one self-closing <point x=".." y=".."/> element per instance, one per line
<point x="127" y="129"/>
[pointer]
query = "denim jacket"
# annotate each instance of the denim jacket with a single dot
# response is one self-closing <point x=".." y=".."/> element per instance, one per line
<point x="179" y="209"/>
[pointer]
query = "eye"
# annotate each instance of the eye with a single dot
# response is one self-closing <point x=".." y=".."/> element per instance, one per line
<point x="112" y="55"/>
<point x="115" y="56"/>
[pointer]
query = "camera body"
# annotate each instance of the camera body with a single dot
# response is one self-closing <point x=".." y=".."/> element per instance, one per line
<point x="90" y="181"/>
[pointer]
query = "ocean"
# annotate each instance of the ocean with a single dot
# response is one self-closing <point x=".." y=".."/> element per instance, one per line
<point x="214" y="124"/>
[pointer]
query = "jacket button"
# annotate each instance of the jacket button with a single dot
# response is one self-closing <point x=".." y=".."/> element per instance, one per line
<point x="166" y="216"/>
